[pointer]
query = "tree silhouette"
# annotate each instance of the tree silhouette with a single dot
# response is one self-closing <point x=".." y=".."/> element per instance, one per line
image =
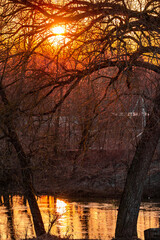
<point x="99" y="35"/>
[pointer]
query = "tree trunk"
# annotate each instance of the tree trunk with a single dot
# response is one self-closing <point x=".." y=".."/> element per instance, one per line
<point x="25" y="165"/>
<point x="56" y="133"/>
<point x="27" y="181"/>
<point x="10" y="216"/>
<point x="126" y="227"/>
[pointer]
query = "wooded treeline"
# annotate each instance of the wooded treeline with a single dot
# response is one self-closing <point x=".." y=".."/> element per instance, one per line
<point x="96" y="86"/>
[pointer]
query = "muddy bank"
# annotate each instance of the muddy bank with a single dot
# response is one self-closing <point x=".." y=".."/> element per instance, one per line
<point x="94" y="180"/>
<point x="98" y="174"/>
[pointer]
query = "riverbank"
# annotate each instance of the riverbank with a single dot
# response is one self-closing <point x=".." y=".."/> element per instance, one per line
<point x="99" y="177"/>
<point x="101" y="174"/>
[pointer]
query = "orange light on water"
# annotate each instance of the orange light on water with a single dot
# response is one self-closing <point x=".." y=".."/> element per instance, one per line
<point x="61" y="206"/>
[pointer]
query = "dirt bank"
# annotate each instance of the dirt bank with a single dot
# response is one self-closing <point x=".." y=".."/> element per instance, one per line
<point x="98" y="174"/>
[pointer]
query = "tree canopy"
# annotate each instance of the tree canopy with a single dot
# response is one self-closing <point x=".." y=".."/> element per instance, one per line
<point x="97" y="35"/>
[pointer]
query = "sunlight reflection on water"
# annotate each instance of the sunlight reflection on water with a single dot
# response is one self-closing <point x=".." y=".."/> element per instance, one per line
<point x="90" y="220"/>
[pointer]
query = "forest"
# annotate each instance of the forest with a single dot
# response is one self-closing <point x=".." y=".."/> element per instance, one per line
<point x="80" y="102"/>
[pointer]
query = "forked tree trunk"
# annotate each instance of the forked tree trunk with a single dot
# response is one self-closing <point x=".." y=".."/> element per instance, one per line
<point x="126" y="227"/>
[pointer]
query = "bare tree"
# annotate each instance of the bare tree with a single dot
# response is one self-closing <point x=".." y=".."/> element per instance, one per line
<point x="99" y="35"/>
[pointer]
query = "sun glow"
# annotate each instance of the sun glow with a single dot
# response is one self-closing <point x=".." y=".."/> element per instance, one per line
<point x="58" y="30"/>
<point x="58" y="35"/>
<point x="61" y="206"/>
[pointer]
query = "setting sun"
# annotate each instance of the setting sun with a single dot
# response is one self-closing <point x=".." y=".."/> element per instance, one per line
<point x="58" y="35"/>
<point x="58" y="30"/>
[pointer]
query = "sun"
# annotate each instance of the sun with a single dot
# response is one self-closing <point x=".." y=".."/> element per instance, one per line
<point x="58" y="35"/>
<point x="58" y="30"/>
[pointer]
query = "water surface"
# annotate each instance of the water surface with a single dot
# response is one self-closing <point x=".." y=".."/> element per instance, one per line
<point x="93" y="220"/>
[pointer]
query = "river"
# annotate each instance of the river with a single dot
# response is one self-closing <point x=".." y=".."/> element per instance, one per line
<point x="76" y="219"/>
